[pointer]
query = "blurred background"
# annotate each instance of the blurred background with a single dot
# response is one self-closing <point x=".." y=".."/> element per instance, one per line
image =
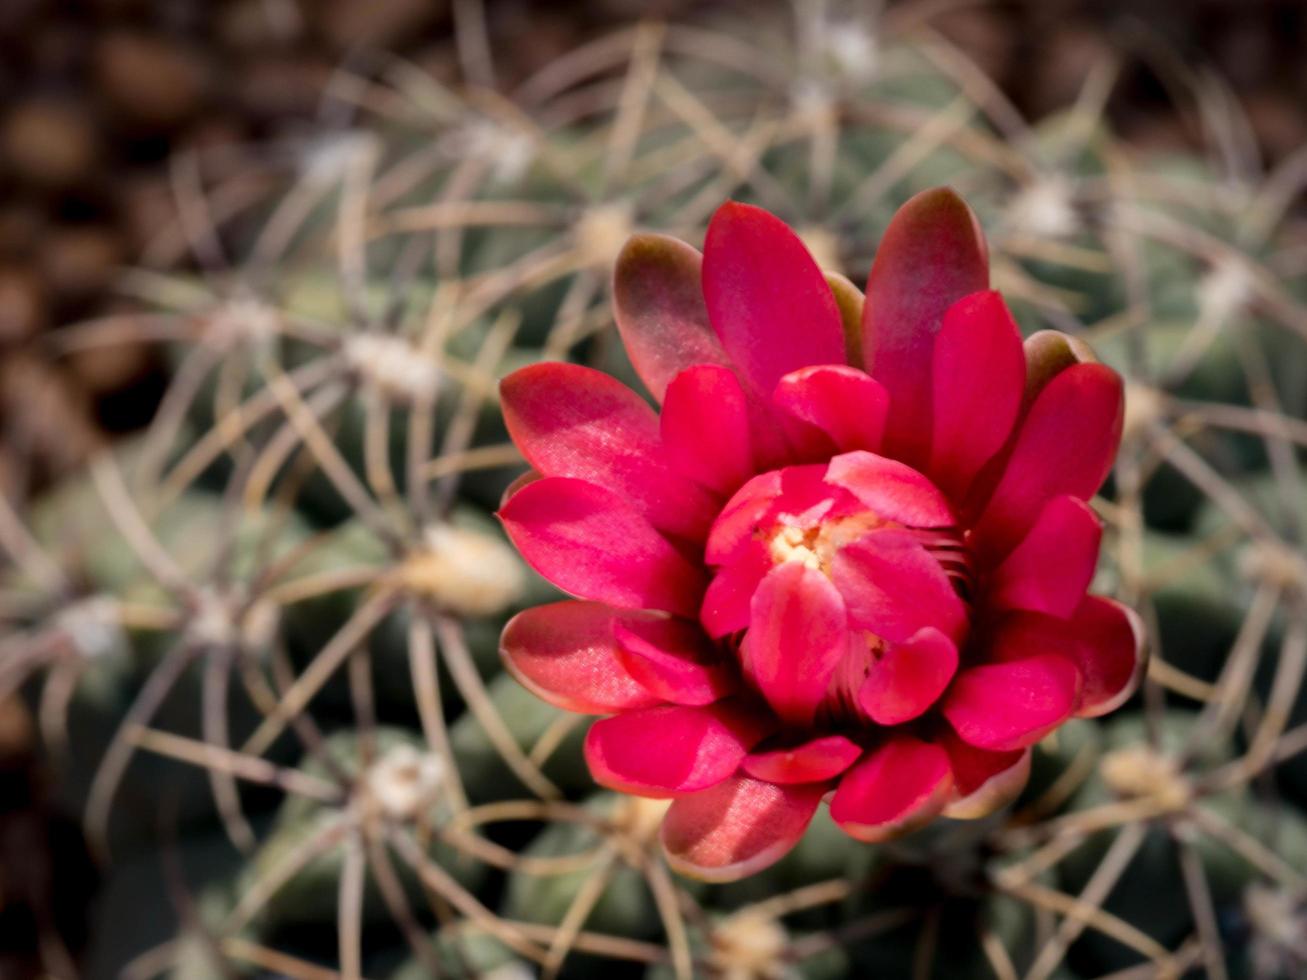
<point x="100" y="95"/>
<point x="110" y="110"/>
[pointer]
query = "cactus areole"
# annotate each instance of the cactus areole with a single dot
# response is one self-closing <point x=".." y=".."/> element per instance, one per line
<point x="846" y="561"/>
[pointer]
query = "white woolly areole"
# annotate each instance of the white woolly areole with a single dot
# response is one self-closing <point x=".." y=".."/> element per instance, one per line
<point x="602" y="231"/>
<point x="467" y="572"/>
<point x="1140" y="771"/>
<point x="1224" y="290"/>
<point x="242" y="319"/>
<point x="394" y="365"/>
<point x="405" y="780"/>
<point x="1045" y="207"/>
<point x="749" y="946"/>
<point x="93" y="627"/>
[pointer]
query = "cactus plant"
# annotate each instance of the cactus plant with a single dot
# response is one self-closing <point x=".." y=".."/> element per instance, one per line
<point x="303" y="532"/>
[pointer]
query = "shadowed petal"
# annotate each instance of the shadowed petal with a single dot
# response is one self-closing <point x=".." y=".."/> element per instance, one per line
<point x="1051" y="568"/>
<point x="727" y="602"/>
<point x="932" y="254"/>
<point x="909" y="677"/>
<point x="816" y="760"/>
<point x="565" y="654"/>
<point x="766" y="297"/>
<point x="897" y="787"/>
<point x="797" y="637"/>
<point x="659" y="308"/>
<point x="574" y="421"/>
<point x="1064" y="446"/>
<point x="734" y="528"/>
<point x="705" y="428"/>
<point x="1048" y="353"/>
<point x="1110" y="654"/>
<point x="979" y="375"/>
<point x="894" y="490"/>
<point x="850" y="300"/>
<point x="893" y="587"/>
<point x="673" y="659"/>
<point x="738" y="827"/>
<point x="1010" y="705"/>
<point x="590" y="542"/>
<point x="670" y="750"/>
<point x="841" y="401"/>
<point x="982" y="781"/>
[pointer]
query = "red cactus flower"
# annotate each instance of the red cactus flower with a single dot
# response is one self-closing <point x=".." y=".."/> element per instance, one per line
<point x="847" y="561"/>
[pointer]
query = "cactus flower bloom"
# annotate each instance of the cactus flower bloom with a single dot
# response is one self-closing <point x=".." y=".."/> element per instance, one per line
<point x="847" y="560"/>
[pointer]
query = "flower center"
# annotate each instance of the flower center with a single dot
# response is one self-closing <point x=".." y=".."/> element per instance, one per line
<point x="896" y="565"/>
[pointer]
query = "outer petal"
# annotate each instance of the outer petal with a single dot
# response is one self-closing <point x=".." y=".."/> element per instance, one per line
<point x="909" y="678"/>
<point x="932" y="254"/>
<point x="564" y="653"/>
<point x="979" y="374"/>
<point x="590" y="542"/>
<point x="817" y="760"/>
<point x="766" y="297"/>
<point x="893" y="587"/>
<point x="797" y="637"/>
<point x="674" y="660"/>
<point x="850" y="300"/>
<point x="574" y="421"/>
<point x="659" y="308"/>
<point x="843" y="402"/>
<point x="705" y="427"/>
<point x="982" y="781"/>
<point x="738" y="827"/>
<point x="670" y="750"/>
<point x="1110" y="654"/>
<point x="896" y="788"/>
<point x="1051" y="568"/>
<point x="1049" y="353"/>
<point x="1064" y="446"/>
<point x="1010" y="705"/>
<point x="894" y="490"/>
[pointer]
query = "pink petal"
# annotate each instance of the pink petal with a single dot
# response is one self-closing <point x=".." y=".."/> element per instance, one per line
<point x="909" y="678"/>
<point x="739" y="520"/>
<point x="1010" y="705"/>
<point x="738" y="827"/>
<point x="530" y="476"/>
<point x="841" y="401"/>
<point x="574" y="421"/>
<point x="797" y="637"/>
<point x="896" y="788"/>
<point x="1110" y="654"/>
<point x="767" y="299"/>
<point x="670" y="750"/>
<point x="674" y="660"/>
<point x="1065" y="445"/>
<point x="1051" y="568"/>
<point x="659" y="308"/>
<point x="982" y="781"/>
<point x="705" y="427"/>
<point x="590" y="542"/>
<point x="816" y="760"/>
<point x="893" y="587"/>
<point x="932" y="254"/>
<point x="728" y="600"/>
<point x="894" y="490"/>
<point x="979" y="374"/>
<point x="564" y="653"/>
